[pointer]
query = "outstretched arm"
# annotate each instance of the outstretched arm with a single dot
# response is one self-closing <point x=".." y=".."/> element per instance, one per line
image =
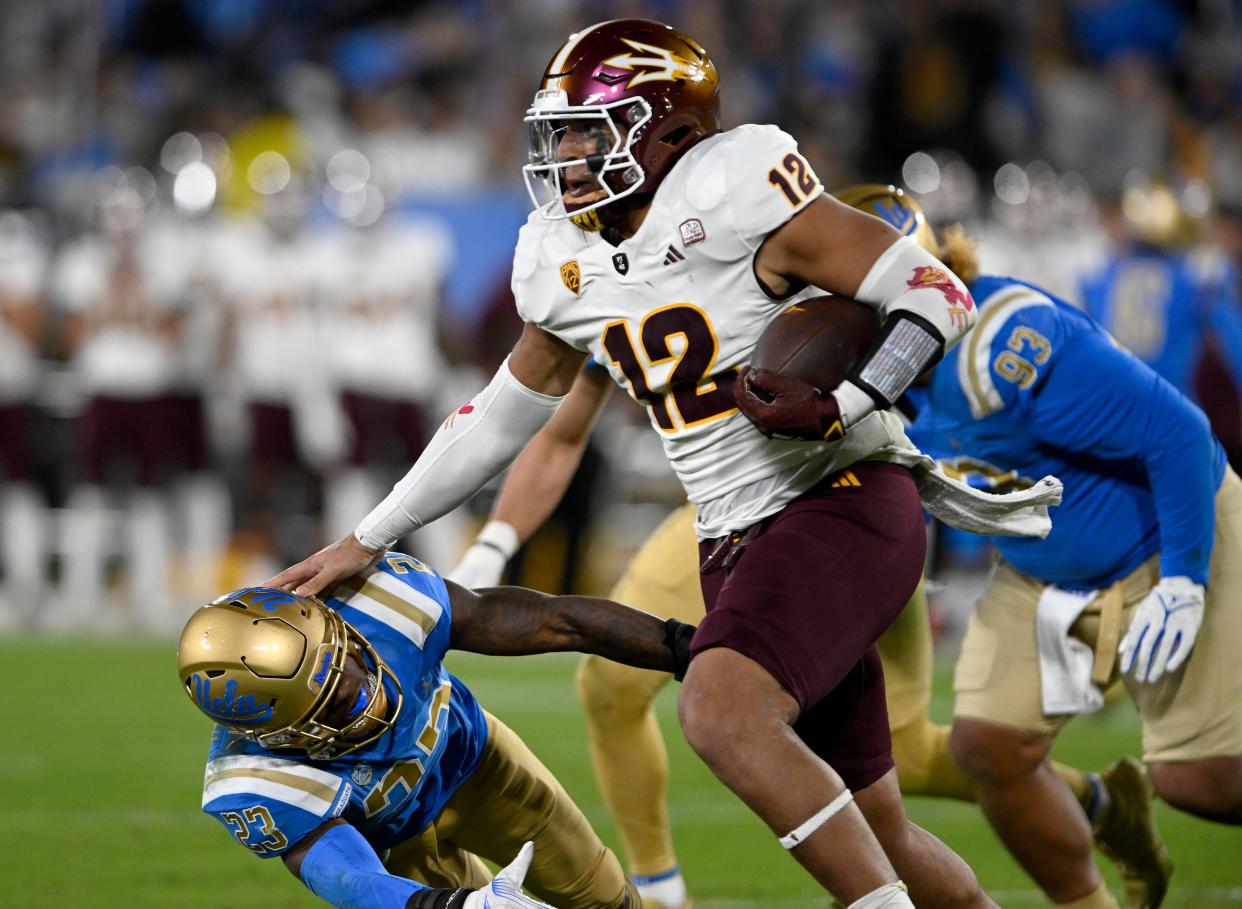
<point x="514" y="621"/>
<point x="536" y="481"/>
<point x="338" y="865"/>
<point x="474" y="444"/>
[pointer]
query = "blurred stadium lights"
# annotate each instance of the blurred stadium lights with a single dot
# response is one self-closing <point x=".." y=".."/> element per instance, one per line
<point x="194" y="189"/>
<point x="181" y="149"/>
<point x="1197" y="198"/>
<point x="268" y="173"/>
<point x="1011" y="183"/>
<point x="348" y="170"/>
<point x="921" y="173"/>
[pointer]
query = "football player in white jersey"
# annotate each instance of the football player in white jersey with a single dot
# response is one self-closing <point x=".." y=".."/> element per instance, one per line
<point x="663" y="247"/>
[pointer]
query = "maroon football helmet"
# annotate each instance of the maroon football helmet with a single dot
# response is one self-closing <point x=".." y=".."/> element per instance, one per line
<point x="618" y="105"/>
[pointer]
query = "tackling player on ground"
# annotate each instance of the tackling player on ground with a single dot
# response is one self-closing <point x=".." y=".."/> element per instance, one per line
<point x="345" y="747"/>
<point x="664" y="247"/>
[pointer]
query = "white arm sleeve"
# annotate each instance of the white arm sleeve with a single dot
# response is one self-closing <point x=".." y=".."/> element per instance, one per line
<point x="926" y="310"/>
<point x="907" y="277"/>
<point x="473" y="445"/>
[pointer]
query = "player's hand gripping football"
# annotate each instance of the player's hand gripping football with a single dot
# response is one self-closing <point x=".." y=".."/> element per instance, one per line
<point x="1164" y="629"/>
<point x="335" y="562"/>
<point x="785" y="407"/>
<point x="505" y="890"/>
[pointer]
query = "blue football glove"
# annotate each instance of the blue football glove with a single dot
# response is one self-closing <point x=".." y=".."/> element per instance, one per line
<point x="1164" y="629"/>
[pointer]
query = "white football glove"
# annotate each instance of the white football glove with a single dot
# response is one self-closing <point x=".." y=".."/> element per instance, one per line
<point x="505" y="890"/>
<point x="1164" y="629"/>
<point x="484" y="562"/>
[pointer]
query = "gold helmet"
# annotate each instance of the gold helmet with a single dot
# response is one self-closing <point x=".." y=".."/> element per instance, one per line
<point x="893" y="205"/>
<point x="1157" y="214"/>
<point x="275" y="667"/>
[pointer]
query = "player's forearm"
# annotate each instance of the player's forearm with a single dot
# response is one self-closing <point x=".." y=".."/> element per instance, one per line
<point x="514" y="621"/>
<point x="1181" y="453"/>
<point x="342" y="868"/>
<point x="473" y="445"/>
<point x="536" y="483"/>
<point x="927" y="309"/>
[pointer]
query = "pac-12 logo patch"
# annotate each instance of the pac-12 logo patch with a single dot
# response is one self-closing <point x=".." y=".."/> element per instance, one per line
<point x="692" y="231"/>
<point x="621" y="262"/>
<point x="571" y="274"/>
<point x="361" y="775"/>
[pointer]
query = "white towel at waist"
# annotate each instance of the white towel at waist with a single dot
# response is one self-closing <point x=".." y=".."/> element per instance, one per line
<point x="1065" y="663"/>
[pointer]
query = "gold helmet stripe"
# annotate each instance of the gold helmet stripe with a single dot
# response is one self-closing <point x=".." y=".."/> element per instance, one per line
<point x="387" y="600"/>
<point x="211" y="785"/>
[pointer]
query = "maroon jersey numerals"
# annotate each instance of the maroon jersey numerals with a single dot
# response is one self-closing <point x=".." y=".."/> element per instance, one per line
<point x="693" y="392"/>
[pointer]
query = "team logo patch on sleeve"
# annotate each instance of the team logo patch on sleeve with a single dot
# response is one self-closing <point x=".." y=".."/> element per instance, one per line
<point x="571" y="274"/>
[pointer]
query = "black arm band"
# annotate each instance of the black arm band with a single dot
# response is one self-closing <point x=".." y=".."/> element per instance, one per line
<point x="439" y="898"/>
<point x="908" y="346"/>
<point x="677" y="636"/>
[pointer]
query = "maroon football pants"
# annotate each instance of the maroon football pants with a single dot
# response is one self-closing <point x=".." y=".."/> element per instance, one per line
<point x="815" y="586"/>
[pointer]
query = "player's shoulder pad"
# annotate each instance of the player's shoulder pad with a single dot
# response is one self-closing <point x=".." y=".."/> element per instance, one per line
<point x="753" y="175"/>
<point x="1020" y="329"/>
<point x="400" y="592"/>
<point x="279" y="783"/>
<point x="545" y="272"/>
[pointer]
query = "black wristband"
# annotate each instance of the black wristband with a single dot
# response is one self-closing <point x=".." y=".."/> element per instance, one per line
<point x="895" y="363"/>
<point x="438" y="898"/>
<point x="677" y="637"/>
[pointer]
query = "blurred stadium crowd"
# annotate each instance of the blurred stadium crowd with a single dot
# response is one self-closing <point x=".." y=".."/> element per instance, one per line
<point x="250" y="249"/>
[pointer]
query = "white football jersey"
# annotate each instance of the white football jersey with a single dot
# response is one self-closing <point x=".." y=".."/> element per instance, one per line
<point x="675" y="311"/>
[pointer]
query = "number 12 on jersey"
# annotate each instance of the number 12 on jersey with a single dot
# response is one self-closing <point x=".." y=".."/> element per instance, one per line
<point x="693" y="391"/>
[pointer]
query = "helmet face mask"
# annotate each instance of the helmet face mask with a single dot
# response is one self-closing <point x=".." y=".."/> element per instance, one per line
<point x="286" y="672"/>
<point x="581" y="157"/>
<point x="618" y="105"/>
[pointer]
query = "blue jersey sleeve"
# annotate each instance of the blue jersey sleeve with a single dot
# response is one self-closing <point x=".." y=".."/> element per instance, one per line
<point x="269" y="803"/>
<point x="1091" y="397"/>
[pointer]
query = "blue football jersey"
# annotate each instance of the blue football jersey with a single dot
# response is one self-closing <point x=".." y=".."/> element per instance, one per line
<point x="1038" y="388"/>
<point x="1162" y="306"/>
<point x="396" y="786"/>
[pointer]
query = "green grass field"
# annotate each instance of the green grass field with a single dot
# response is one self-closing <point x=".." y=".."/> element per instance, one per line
<point x="103" y="756"/>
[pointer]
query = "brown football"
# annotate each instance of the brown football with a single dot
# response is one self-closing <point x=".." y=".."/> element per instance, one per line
<point x="819" y="340"/>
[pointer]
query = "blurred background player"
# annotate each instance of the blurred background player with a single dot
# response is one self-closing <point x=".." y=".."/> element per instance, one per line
<point x="25" y="535"/>
<point x="119" y="293"/>
<point x="1166" y="293"/>
<point x="292" y="422"/>
<point x="342" y="738"/>
<point x="380" y="286"/>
